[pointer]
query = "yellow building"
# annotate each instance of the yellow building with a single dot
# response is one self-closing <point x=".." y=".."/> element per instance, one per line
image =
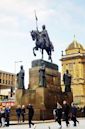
<point x="7" y="83"/>
<point x="74" y="61"/>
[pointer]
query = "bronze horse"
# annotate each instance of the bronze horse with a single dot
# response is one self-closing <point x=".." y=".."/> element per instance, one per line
<point x="42" y="44"/>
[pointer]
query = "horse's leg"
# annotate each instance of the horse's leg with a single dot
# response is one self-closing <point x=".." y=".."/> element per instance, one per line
<point x="49" y="54"/>
<point x="42" y="54"/>
<point x="51" y="60"/>
<point x="34" y="51"/>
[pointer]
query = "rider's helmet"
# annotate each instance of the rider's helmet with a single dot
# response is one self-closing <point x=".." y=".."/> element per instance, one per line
<point x="43" y="27"/>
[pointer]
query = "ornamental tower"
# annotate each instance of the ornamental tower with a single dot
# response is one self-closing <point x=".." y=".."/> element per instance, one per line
<point x="74" y="61"/>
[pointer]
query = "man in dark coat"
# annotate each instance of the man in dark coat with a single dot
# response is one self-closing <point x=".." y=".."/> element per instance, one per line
<point x="66" y="110"/>
<point x="59" y="114"/>
<point x="18" y="113"/>
<point x="84" y="111"/>
<point x="74" y="113"/>
<point x="0" y="118"/>
<point x="23" y="112"/>
<point x="7" y="115"/>
<point x="30" y="114"/>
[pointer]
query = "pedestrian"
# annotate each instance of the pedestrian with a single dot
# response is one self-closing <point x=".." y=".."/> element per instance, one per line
<point x="59" y="114"/>
<point x="84" y="111"/>
<point x="74" y="114"/>
<point x="23" y="113"/>
<point x="54" y="114"/>
<point x="0" y="118"/>
<point x="18" y="113"/>
<point x="7" y="115"/>
<point x="66" y="111"/>
<point x="30" y="114"/>
<point x="3" y="116"/>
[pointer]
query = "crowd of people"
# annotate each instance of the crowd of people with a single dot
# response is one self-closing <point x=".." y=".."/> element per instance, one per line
<point x="20" y="114"/>
<point x="66" y="112"/>
<point x="4" y="116"/>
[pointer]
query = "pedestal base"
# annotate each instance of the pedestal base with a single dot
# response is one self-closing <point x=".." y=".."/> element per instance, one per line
<point x="42" y="98"/>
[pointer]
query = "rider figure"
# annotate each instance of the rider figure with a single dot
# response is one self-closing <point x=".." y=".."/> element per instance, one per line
<point x="42" y="41"/>
<point x="46" y="38"/>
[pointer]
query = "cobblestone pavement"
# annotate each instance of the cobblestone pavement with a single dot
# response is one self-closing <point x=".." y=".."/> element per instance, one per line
<point x="49" y="125"/>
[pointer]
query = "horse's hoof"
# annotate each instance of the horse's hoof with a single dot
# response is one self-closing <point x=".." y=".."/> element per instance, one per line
<point x="49" y="58"/>
<point x="34" y="54"/>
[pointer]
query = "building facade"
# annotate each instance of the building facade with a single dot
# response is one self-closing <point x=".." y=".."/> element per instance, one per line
<point x="74" y="61"/>
<point x="7" y="83"/>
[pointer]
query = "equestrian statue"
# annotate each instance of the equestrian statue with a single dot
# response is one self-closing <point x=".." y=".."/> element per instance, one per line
<point x="42" y="41"/>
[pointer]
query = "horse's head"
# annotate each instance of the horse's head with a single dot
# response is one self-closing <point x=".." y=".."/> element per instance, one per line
<point x="33" y="34"/>
<point x="36" y="35"/>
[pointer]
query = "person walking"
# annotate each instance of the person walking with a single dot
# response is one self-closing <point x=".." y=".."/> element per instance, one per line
<point x="59" y="114"/>
<point x="18" y="113"/>
<point x="7" y="115"/>
<point x="0" y="118"/>
<point x="3" y="116"/>
<point x="66" y="111"/>
<point x="74" y="114"/>
<point x="83" y="111"/>
<point x="30" y="114"/>
<point x="54" y="114"/>
<point x="23" y="113"/>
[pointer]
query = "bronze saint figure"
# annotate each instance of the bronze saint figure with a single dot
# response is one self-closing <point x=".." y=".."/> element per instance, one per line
<point x="20" y="78"/>
<point x="67" y="81"/>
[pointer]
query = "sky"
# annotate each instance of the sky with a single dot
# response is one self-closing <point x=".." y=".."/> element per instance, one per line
<point x="63" y="19"/>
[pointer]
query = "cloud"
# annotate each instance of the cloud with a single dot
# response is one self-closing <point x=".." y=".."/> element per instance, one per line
<point x="8" y="22"/>
<point x="63" y="18"/>
<point x="17" y="16"/>
<point x="70" y="14"/>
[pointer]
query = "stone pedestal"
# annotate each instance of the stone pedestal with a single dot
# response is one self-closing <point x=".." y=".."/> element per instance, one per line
<point x="52" y="75"/>
<point x="19" y="96"/>
<point x="67" y="97"/>
<point x="46" y="95"/>
<point x="43" y="95"/>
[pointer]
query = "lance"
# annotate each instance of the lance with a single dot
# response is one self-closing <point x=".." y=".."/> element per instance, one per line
<point x="36" y="20"/>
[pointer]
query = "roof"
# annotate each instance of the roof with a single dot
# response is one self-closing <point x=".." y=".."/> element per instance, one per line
<point x="74" y="45"/>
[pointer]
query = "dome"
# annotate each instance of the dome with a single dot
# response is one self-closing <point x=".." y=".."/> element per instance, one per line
<point x="75" y="45"/>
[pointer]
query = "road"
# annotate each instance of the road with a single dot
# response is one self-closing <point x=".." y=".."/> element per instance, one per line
<point x="49" y="125"/>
